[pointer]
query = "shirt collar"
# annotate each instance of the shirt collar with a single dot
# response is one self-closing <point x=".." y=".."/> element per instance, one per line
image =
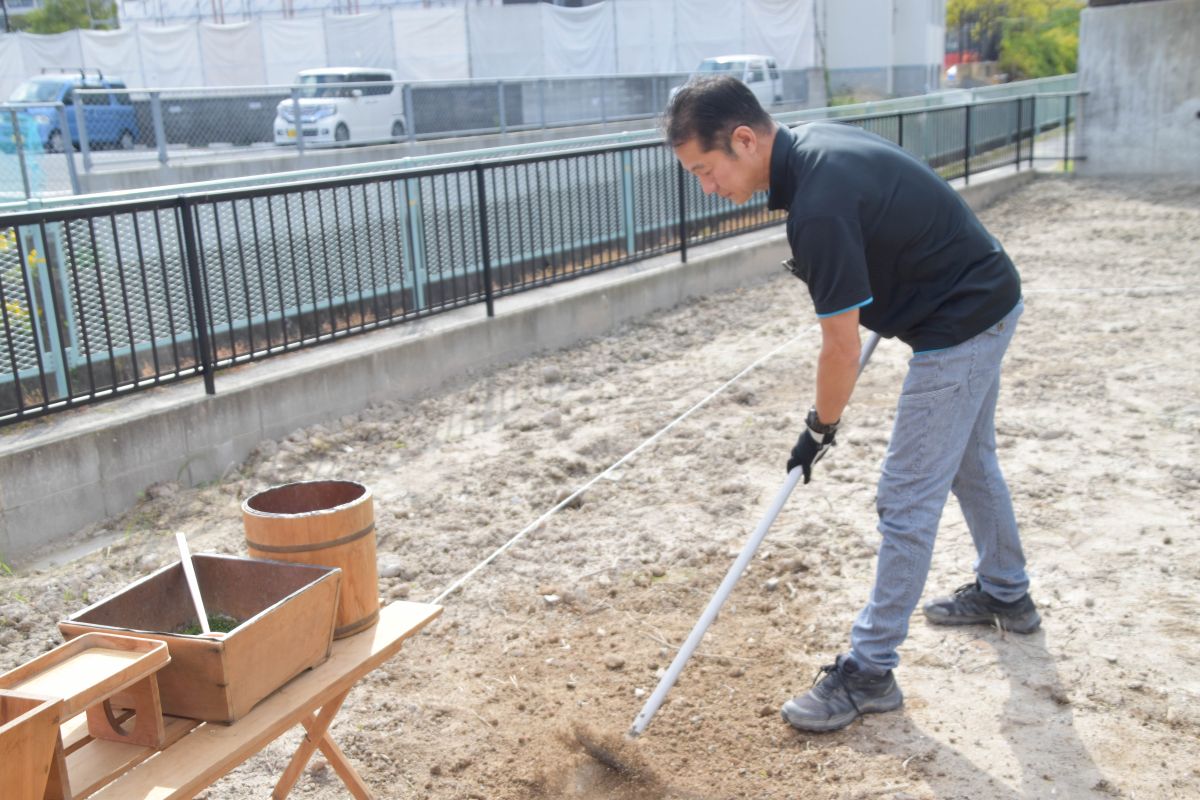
<point x="783" y="179"/>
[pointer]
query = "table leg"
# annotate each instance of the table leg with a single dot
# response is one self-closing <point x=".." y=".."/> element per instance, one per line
<point x="341" y="765"/>
<point x="315" y="734"/>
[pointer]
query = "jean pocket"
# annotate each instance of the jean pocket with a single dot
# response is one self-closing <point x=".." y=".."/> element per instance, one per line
<point x="923" y="433"/>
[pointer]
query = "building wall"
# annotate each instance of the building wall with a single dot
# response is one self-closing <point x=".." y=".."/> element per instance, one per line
<point x="1140" y="67"/>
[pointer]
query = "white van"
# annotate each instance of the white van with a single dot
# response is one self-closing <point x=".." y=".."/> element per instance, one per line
<point x="343" y="105"/>
<point x="756" y="71"/>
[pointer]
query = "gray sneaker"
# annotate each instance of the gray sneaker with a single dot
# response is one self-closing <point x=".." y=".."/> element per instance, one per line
<point x="843" y="695"/>
<point x="971" y="605"/>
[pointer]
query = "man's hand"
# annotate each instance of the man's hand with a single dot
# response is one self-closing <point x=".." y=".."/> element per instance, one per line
<point x="814" y="440"/>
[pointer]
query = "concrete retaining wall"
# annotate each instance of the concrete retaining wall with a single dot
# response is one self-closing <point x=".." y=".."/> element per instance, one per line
<point x="1140" y="66"/>
<point x="68" y="471"/>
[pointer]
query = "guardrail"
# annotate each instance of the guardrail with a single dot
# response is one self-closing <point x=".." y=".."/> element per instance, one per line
<point x="101" y="300"/>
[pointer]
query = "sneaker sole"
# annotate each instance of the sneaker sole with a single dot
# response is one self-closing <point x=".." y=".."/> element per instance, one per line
<point x="1025" y="624"/>
<point x="887" y="703"/>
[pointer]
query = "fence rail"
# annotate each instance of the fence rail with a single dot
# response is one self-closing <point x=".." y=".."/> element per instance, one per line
<point x="102" y="300"/>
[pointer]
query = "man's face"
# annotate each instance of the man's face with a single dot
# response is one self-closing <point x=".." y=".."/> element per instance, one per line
<point x="731" y="175"/>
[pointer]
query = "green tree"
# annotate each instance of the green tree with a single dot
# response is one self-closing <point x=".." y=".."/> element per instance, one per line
<point x="57" y="16"/>
<point x="1028" y="38"/>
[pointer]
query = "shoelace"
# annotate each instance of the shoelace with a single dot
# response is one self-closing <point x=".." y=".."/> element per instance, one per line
<point x="836" y="674"/>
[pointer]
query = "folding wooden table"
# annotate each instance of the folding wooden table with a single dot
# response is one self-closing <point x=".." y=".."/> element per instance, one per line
<point x="208" y="751"/>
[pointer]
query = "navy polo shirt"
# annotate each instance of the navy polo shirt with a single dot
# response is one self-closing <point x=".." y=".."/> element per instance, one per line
<point x="873" y="228"/>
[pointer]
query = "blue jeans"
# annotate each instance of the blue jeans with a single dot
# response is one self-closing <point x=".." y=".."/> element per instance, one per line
<point x="943" y="440"/>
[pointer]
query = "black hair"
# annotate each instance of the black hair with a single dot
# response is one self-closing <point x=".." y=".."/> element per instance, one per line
<point x="708" y="109"/>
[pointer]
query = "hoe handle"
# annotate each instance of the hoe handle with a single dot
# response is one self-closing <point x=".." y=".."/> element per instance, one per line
<point x="739" y="566"/>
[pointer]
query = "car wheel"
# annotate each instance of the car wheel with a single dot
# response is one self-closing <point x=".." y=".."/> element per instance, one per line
<point x="54" y="142"/>
<point x="397" y="130"/>
<point x="341" y="133"/>
<point x="126" y="140"/>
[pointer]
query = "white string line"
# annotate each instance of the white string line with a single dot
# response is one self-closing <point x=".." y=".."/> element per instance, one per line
<point x="562" y="504"/>
<point x="757" y="362"/>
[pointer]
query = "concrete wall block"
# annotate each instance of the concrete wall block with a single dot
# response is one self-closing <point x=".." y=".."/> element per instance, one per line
<point x="36" y="525"/>
<point x="137" y="453"/>
<point x="220" y="432"/>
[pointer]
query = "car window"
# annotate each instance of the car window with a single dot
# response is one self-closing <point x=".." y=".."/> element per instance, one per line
<point x="773" y="69"/>
<point x="718" y="66"/>
<point x="373" y="77"/>
<point x="36" y="92"/>
<point x="755" y="73"/>
<point x="92" y="98"/>
<point x="322" y="86"/>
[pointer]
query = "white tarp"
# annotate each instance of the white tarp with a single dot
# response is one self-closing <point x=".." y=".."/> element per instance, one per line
<point x="645" y="35"/>
<point x="578" y="41"/>
<point x="170" y="56"/>
<point x="431" y="44"/>
<point x="232" y="55"/>
<point x="53" y="53"/>
<point x="360" y="40"/>
<point x="782" y="29"/>
<point x="290" y="45"/>
<point x="706" y="28"/>
<point x="12" y="65"/>
<point x="114" y="53"/>
<point x="505" y="41"/>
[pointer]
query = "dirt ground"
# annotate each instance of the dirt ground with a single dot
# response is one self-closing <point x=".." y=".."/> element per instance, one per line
<point x="1099" y="428"/>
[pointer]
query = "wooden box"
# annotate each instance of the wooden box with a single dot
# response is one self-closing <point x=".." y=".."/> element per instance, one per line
<point x="286" y="614"/>
<point x="28" y="736"/>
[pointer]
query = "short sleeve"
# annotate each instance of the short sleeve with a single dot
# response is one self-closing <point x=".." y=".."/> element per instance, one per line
<point x="830" y="252"/>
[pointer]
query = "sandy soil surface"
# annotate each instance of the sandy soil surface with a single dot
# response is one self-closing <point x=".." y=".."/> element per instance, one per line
<point x="1099" y="427"/>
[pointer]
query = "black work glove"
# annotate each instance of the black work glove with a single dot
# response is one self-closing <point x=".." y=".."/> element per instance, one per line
<point x="814" y="440"/>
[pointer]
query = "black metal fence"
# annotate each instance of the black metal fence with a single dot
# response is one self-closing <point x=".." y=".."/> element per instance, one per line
<point x="102" y="300"/>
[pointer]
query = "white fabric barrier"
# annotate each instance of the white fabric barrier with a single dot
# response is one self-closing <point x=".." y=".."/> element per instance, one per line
<point x="114" y="53"/>
<point x="706" y="28"/>
<point x="784" y="29"/>
<point x="232" y="55"/>
<point x="431" y="44"/>
<point x="505" y="41"/>
<point x="59" y="51"/>
<point x="578" y="41"/>
<point x="645" y="34"/>
<point x="170" y="56"/>
<point x="290" y="45"/>
<point x="12" y="65"/>
<point x="360" y="40"/>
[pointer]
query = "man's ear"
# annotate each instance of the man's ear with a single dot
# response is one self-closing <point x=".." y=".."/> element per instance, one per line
<point x="743" y="140"/>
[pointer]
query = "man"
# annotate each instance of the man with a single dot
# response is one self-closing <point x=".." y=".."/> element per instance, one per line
<point x="883" y="242"/>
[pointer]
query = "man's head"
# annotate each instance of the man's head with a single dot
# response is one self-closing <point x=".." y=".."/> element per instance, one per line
<point x="722" y="135"/>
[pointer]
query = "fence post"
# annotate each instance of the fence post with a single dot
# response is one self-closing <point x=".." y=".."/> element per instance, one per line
<point x="484" y="244"/>
<point x="1067" y="133"/>
<point x="1017" y="160"/>
<point x="68" y="152"/>
<point x="204" y="354"/>
<point x="682" y="211"/>
<point x="603" y="102"/>
<point x="38" y="269"/>
<point x="900" y="131"/>
<point x="160" y="132"/>
<point x="500" y="101"/>
<point x="414" y="226"/>
<point x="296" y="121"/>
<point x="1033" y="131"/>
<point x="19" y="144"/>
<point x="967" y="149"/>
<point x="542" y="100"/>
<point x="85" y="149"/>
<point x="410" y="117"/>
<point x="627" y="201"/>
